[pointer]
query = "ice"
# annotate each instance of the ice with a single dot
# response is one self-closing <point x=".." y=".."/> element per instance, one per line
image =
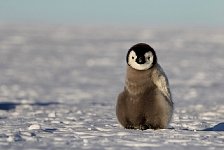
<point x="52" y="115"/>
<point x="59" y="84"/>
<point x="34" y="127"/>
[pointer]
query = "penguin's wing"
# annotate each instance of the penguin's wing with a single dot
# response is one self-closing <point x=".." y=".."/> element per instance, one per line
<point x="160" y="80"/>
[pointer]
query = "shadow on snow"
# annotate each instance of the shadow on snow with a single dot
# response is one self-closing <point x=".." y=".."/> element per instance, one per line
<point x="218" y="127"/>
<point x="12" y="105"/>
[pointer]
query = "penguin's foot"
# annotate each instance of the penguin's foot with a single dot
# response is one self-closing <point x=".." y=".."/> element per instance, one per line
<point x="143" y="127"/>
<point x="129" y="126"/>
<point x="140" y="127"/>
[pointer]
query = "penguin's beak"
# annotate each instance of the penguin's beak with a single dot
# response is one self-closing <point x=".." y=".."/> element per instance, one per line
<point x="140" y="60"/>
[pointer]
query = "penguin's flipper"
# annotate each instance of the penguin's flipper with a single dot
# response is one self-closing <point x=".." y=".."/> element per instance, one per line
<point x="160" y="80"/>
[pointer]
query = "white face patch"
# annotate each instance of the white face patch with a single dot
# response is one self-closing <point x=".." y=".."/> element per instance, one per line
<point x="148" y="61"/>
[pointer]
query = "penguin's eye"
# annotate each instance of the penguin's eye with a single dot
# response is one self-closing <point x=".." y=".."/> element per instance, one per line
<point x="133" y="57"/>
<point x="148" y="58"/>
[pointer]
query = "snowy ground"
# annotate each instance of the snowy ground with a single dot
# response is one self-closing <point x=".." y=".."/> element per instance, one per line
<point x="58" y="87"/>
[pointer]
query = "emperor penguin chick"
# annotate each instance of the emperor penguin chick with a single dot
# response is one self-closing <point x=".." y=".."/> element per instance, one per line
<point x="146" y="101"/>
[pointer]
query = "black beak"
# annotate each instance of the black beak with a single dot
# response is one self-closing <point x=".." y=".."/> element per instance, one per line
<point x="140" y="60"/>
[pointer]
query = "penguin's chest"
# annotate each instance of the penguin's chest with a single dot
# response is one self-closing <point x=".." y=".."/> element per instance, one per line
<point x="140" y="90"/>
<point x="138" y="104"/>
<point x="135" y="109"/>
<point x="135" y="104"/>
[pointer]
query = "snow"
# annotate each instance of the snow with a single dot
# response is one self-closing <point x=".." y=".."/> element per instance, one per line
<point x="34" y="127"/>
<point x="58" y="87"/>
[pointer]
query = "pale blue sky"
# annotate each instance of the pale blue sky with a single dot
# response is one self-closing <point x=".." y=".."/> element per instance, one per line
<point x="132" y="12"/>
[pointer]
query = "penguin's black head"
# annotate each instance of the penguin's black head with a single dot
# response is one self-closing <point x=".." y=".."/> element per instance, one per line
<point x="141" y="56"/>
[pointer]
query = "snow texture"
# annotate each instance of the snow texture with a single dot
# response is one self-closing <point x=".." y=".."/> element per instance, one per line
<point x="59" y="84"/>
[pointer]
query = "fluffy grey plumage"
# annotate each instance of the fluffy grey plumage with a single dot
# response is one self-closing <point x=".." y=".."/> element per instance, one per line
<point x="146" y="101"/>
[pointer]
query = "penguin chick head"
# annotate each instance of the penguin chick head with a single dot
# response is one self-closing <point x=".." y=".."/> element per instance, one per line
<point x="141" y="57"/>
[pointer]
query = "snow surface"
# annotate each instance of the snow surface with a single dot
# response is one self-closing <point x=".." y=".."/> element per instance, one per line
<point x="58" y="87"/>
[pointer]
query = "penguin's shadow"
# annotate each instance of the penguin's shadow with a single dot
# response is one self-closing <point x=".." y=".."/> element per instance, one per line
<point x="218" y="127"/>
<point x="7" y="106"/>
